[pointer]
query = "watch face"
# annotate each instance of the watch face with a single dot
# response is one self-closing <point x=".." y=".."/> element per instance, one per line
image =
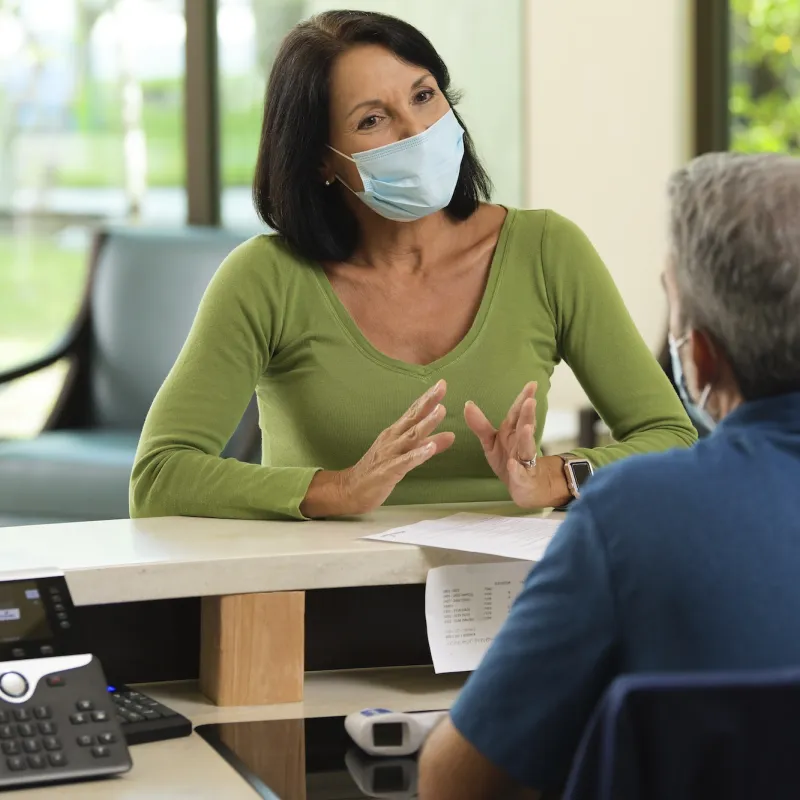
<point x="581" y="472"/>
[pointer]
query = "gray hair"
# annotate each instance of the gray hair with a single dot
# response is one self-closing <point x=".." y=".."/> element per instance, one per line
<point x="735" y="228"/>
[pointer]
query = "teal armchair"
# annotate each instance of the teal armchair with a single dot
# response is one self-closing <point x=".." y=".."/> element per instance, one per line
<point x="143" y="290"/>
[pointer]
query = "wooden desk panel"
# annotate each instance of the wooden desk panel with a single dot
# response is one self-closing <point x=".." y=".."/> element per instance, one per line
<point x="251" y="648"/>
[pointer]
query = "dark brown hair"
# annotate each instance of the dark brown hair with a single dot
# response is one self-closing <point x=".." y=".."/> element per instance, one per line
<point x="288" y="193"/>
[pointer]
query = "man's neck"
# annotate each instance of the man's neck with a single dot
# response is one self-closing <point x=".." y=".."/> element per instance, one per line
<point x="724" y="400"/>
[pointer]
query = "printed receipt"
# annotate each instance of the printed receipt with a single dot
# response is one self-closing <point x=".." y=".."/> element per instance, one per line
<point x="465" y="606"/>
<point x="523" y="538"/>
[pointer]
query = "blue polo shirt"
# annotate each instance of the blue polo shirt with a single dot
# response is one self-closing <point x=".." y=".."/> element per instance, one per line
<point x="686" y="560"/>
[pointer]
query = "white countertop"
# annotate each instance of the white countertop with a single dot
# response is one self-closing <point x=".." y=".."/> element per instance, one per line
<point x="184" y="769"/>
<point x="120" y="561"/>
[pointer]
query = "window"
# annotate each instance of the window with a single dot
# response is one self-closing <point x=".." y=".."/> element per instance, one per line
<point x="765" y="75"/>
<point x="469" y="34"/>
<point x="91" y="105"/>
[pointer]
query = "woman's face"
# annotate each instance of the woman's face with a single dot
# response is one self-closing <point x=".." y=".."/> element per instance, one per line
<point x="376" y="99"/>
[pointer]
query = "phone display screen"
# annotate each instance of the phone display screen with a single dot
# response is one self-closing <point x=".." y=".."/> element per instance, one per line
<point x="23" y="615"/>
<point x="37" y="618"/>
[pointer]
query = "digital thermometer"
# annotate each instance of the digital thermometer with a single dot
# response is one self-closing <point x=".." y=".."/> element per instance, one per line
<point x="381" y="732"/>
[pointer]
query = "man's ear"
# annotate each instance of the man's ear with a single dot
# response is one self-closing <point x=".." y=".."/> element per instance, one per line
<point x="706" y="359"/>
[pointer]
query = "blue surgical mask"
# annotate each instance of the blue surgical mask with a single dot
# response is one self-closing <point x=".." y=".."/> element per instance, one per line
<point x="697" y="411"/>
<point x="410" y="179"/>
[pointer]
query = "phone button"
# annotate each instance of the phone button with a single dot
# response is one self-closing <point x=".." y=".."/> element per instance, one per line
<point x="13" y="684"/>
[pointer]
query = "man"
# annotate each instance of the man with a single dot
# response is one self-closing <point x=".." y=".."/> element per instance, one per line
<point x="687" y="560"/>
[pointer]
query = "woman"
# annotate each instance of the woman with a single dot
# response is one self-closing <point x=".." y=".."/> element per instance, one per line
<point x="391" y="277"/>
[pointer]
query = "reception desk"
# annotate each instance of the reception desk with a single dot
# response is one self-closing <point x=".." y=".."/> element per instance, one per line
<point x="252" y="577"/>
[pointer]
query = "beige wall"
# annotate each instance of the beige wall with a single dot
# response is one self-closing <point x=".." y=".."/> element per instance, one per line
<point x="608" y="118"/>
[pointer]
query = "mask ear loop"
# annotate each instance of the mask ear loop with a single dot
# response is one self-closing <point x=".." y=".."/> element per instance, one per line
<point x="339" y="153"/>
<point x="701" y="403"/>
<point x="704" y="395"/>
<point x="344" y="183"/>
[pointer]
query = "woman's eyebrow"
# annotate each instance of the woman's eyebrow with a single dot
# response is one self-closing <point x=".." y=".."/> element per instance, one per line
<point x="371" y="103"/>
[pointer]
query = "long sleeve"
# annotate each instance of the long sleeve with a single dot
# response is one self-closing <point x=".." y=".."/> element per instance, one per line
<point x="599" y="341"/>
<point x="178" y="469"/>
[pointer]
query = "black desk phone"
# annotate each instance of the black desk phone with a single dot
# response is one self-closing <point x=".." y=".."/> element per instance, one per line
<point x="58" y="722"/>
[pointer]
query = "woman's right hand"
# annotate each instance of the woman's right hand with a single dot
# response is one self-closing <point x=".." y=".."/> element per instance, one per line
<point x="400" y="448"/>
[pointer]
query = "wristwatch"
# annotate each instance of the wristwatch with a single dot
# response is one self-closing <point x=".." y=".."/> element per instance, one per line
<point x="577" y="471"/>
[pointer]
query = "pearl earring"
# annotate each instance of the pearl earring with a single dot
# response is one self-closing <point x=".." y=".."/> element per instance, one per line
<point x="328" y="182"/>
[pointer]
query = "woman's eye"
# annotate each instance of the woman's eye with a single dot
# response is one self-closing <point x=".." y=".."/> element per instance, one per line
<point x="424" y="95"/>
<point x="368" y="122"/>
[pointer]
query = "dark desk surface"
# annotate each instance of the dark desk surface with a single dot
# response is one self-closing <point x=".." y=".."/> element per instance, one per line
<point x="309" y="759"/>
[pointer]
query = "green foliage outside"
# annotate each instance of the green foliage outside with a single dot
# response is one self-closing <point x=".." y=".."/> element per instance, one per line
<point x="97" y="117"/>
<point x="40" y="287"/>
<point x="764" y="105"/>
<point x="765" y="75"/>
<point x="42" y="272"/>
<point x="89" y="140"/>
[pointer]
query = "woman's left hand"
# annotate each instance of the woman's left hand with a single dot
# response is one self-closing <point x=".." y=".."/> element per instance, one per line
<point x="507" y="449"/>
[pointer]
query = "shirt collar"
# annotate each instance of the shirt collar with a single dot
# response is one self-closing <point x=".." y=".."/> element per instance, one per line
<point x="781" y="411"/>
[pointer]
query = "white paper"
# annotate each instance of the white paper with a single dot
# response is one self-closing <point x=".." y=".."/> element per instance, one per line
<point x="465" y="606"/>
<point x="523" y="538"/>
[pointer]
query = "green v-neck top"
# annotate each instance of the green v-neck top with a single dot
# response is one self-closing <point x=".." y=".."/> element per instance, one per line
<point x="271" y="322"/>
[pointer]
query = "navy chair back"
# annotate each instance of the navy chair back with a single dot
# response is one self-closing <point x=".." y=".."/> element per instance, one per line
<point x="693" y="737"/>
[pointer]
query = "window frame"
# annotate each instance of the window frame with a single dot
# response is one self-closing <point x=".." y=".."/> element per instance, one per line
<point x="712" y="119"/>
<point x="201" y="115"/>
